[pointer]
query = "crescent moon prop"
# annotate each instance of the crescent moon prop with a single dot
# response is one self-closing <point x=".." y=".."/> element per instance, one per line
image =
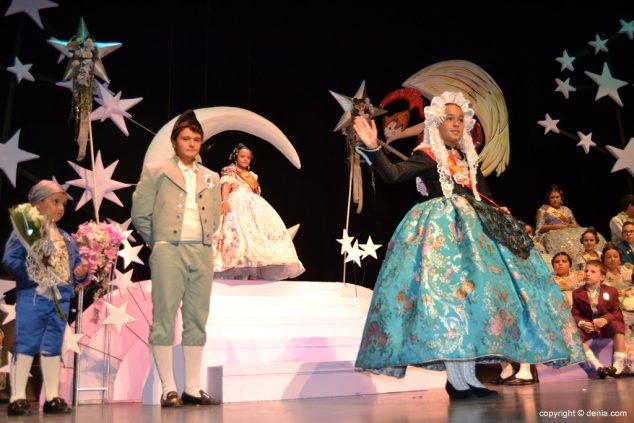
<point x="219" y="119"/>
<point x="484" y="94"/>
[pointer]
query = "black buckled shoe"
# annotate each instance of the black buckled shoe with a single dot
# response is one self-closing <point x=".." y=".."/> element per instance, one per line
<point x="603" y="372"/>
<point x="500" y="380"/>
<point x="56" y="406"/>
<point x="611" y="371"/>
<point x="515" y="381"/>
<point x="483" y="392"/>
<point x="460" y="394"/>
<point x="171" y="400"/>
<point x="19" y="407"/>
<point x="204" y="399"/>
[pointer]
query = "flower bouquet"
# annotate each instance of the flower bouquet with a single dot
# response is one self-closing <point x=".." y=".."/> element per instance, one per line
<point x="627" y="303"/>
<point x="98" y="245"/>
<point x="46" y="265"/>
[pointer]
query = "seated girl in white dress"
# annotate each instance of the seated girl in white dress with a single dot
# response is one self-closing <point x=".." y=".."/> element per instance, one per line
<point x="252" y="241"/>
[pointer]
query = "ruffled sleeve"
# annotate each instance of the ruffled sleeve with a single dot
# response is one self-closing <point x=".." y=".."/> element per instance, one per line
<point x="228" y="175"/>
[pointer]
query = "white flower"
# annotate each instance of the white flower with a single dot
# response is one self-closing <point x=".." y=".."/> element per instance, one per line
<point x="209" y="180"/>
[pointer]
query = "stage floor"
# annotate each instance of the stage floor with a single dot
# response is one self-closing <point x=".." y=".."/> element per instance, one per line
<point x="608" y="400"/>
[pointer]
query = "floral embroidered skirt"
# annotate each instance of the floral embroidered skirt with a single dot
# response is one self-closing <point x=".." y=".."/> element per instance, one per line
<point x="446" y="291"/>
<point x="253" y="242"/>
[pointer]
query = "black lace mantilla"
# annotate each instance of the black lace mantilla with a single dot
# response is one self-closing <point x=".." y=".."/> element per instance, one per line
<point x="502" y="228"/>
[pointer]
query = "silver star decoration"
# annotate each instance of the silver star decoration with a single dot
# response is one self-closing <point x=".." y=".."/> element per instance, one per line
<point x="347" y="104"/>
<point x="71" y="340"/>
<point x="625" y="158"/>
<point x="21" y="70"/>
<point x="599" y="44"/>
<point x="31" y="8"/>
<point x="566" y="61"/>
<point x="564" y="87"/>
<point x="345" y="241"/>
<point x="102" y="50"/>
<point x="114" y="108"/>
<point x="118" y="316"/>
<point x="11" y="155"/>
<point x="550" y="124"/>
<point x="123" y="281"/>
<point x="586" y="141"/>
<point x="627" y="28"/>
<point x="608" y="85"/>
<point x="105" y="184"/>
<point x="354" y="254"/>
<point x="129" y="253"/>
<point x="124" y="228"/>
<point x="369" y="248"/>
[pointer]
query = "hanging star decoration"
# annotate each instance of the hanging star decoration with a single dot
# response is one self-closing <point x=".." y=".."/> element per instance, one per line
<point x="585" y="141"/>
<point x="31" y="8"/>
<point x="123" y="281"/>
<point x="105" y="185"/>
<point x="345" y="241"/>
<point x="129" y="253"/>
<point x="625" y="157"/>
<point x="113" y="108"/>
<point x="608" y="85"/>
<point x="627" y="28"/>
<point x="550" y="124"/>
<point x="71" y="340"/>
<point x="599" y="44"/>
<point x="118" y="316"/>
<point x="564" y="87"/>
<point x="369" y="248"/>
<point x="566" y="61"/>
<point x="124" y="228"/>
<point x="359" y="105"/>
<point x="11" y="155"/>
<point x="21" y="70"/>
<point x="85" y="61"/>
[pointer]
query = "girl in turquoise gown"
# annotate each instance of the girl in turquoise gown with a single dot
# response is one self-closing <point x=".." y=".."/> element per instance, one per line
<point x="461" y="282"/>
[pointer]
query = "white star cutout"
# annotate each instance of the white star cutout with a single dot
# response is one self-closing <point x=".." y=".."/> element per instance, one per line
<point x="345" y="241"/>
<point x="21" y="70"/>
<point x="118" y="316"/>
<point x="5" y="286"/>
<point x="123" y="281"/>
<point x="627" y="28"/>
<point x="129" y="253"/>
<point x="566" y="61"/>
<point x="71" y="340"/>
<point x="607" y="84"/>
<point x="354" y="254"/>
<point x="586" y="141"/>
<point x="10" y="310"/>
<point x="11" y="155"/>
<point x="105" y="184"/>
<point x="599" y="44"/>
<point x="550" y="124"/>
<point x="113" y="108"/>
<point x="564" y="87"/>
<point x="124" y="228"/>
<point x="625" y="158"/>
<point x="31" y="8"/>
<point x="369" y="248"/>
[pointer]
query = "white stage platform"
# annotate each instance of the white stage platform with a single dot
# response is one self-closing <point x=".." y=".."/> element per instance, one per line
<point x="283" y="340"/>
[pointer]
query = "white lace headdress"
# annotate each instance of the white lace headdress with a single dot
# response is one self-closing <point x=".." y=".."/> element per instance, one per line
<point x="434" y="115"/>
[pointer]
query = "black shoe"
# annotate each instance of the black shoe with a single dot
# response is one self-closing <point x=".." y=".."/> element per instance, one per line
<point x="500" y="380"/>
<point x="611" y="371"/>
<point x="19" y="407"/>
<point x="483" y="392"/>
<point x="171" y="400"/>
<point x="460" y="394"/>
<point x="515" y="381"/>
<point x="603" y="372"/>
<point x="204" y="399"/>
<point x="56" y="406"/>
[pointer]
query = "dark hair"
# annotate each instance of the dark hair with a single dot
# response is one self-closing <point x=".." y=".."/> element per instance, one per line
<point x="187" y="120"/>
<point x="610" y="246"/>
<point x="627" y="223"/>
<point x="234" y="153"/>
<point x="626" y="200"/>
<point x="561" y="253"/>
<point x="592" y="231"/>
<point x="599" y="264"/>
<point x="554" y="188"/>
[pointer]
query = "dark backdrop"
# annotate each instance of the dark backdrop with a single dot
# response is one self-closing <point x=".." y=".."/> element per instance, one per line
<point x="280" y="61"/>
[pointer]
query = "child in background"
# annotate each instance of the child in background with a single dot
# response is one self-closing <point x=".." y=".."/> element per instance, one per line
<point x="565" y="278"/>
<point x="597" y="311"/>
<point x="39" y="327"/>
<point x="589" y="241"/>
